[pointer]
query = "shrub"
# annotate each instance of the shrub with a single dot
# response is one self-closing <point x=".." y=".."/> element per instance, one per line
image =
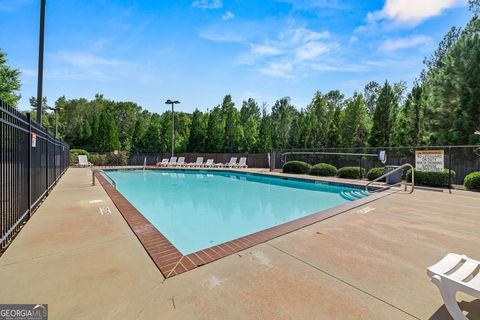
<point x="119" y="159"/>
<point x="296" y="167"/>
<point x="74" y="153"/>
<point x="97" y="159"/>
<point x="350" y="172"/>
<point x="374" y="173"/>
<point x="430" y="178"/>
<point x="323" y="169"/>
<point x="472" y="181"/>
<point x="80" y="151"/>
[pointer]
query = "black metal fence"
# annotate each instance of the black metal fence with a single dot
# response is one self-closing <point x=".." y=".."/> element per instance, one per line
<point x="461" y="159"/>
<point x="31" y="162"/>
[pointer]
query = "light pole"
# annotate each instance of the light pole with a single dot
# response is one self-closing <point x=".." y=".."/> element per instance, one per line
<point x="40" y="62"/>
<point x="173" y="122"/>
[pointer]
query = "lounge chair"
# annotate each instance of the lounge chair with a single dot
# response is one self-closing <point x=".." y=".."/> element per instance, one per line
<point x="83" y="161"/>
<point x="242" y="163"/>
<point x="197" y="163"/>
<point x="173" y="162"/>
<point x="180" y="162"/>
<point x="209" y="163"/>
<point x="232" y="163"/>
<point x="465" y="277"/>
<point x="164" y="163"/>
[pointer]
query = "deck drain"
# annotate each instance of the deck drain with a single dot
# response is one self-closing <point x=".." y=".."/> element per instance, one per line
<point x="105" y="211"/>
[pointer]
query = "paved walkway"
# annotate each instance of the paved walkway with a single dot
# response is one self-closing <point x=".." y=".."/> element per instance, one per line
<point x="86" y="265"/>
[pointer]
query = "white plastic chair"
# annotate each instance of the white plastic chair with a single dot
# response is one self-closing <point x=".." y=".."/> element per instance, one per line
<point x="164" y="163"/>
<point x="173" y="162"/>
<point x="209" y="163"/>
<point x="242" y="163"/>
<point x="232" y="163"/>
<point x="197" y="163"/>
<point x="180" y="162"/>
<point x="456" y="273"/>
<point x="83" y="161"/>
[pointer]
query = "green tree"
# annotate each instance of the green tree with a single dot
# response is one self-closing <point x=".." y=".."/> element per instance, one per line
<point x="9" y="82"/>
<point x="215" y="131"/>
<point x="354" y="125"/>
<point x="108" y="133"/>
<point x="198" y="132"/>
<point x="233" y="133"/>
<point x="250" y="121"/>
<point x="317" y="122"/>
<point x="282" y="117"/>
<point x="383" y="117"/>
<point x="265" y="132"/>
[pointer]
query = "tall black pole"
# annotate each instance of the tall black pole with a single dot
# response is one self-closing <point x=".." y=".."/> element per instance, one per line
<point x="173" y="129"/>
<point x="40" y="62"/>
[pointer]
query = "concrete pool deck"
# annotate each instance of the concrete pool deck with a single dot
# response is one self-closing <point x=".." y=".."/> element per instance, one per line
<point x="355" y="265"/>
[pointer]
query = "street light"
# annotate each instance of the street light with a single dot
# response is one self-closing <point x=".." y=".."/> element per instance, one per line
<point x="40" y="62"/>
<point x="173" y="122"/>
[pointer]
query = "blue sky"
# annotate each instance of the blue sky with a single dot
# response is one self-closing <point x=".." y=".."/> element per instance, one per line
<point x="199" y="50"/>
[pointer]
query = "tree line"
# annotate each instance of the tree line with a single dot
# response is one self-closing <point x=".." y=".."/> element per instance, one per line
<point x="442" y="108"/>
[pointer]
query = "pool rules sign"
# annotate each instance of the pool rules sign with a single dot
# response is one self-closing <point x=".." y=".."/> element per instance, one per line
<point x="429" y="160"/>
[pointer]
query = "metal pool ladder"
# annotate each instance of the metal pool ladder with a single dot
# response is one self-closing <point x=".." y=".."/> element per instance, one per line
<point x="106" y="174"/>
<point x="393" y="171"/>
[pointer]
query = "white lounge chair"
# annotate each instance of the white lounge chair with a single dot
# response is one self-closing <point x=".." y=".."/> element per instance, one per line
<point x="242" y="163"/>
<point x="173" y="162"/>
<point x="197" y="163"/>
<point x="180" y="162"/>
<point x="209" y="163"/>
<point x="456" y="273"/>
<point x="232" y="163"/>
<point x="164" y="163"/>
<point x="83" y="161"/>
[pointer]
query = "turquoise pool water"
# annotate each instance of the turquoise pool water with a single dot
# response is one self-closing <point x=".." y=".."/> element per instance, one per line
<point x="199" y="209"/>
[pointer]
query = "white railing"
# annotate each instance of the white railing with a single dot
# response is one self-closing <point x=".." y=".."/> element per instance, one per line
<point x="393" y="171"/>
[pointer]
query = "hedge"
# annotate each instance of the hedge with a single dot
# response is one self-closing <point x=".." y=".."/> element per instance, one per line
<point x="323" y="169"/>
<point x="296" y="167"/>
<point x="431" y="178"/>
<point x="472" y="181"/>
<point x="374" y="173"/>
<point x="74" y="153"/>
<point x="350" y="172"/>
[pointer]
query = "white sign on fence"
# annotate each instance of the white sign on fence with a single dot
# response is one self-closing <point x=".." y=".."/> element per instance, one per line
<point x="34" y="140"/>
<point x="429" y="160"/>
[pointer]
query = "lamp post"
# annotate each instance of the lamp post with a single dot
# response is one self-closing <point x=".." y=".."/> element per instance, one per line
<point x="173" y="121"/>
<point x="40" y="62"/>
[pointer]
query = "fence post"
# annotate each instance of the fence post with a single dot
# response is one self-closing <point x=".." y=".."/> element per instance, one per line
<point x="450" y="169"/>
<point x="46" y="161"/>
<point x="29" y="152"/>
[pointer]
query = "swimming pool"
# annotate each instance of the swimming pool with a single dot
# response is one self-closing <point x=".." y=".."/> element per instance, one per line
<point x="197" y="209"/>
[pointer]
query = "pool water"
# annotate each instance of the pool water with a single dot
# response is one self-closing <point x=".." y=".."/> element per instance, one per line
<point x="199" y="209"/>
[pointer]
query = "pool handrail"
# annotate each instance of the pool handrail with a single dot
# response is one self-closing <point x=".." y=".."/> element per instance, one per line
<point x="94" y="171"/>
<point x="393" y="171"/>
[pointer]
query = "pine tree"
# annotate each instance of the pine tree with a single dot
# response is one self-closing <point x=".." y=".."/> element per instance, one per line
<point x="383" y="118"/>
<point x="354" y="125"/>
<point x="198" y="133"/>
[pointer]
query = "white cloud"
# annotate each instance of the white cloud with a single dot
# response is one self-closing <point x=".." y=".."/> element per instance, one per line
<point x="411" y="12"/>
<point x="404" y="43"/>
<point x="207" y="4"/>
<point x="311" y="50"/>
<point x="264" y="49"/>
<point x="228" y="15"/>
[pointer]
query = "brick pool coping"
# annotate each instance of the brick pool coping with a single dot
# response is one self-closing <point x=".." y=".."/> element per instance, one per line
<point x="170" y="261"/>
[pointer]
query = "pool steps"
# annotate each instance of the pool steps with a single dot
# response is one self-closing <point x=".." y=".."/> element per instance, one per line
<point x="353" y="194"/>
